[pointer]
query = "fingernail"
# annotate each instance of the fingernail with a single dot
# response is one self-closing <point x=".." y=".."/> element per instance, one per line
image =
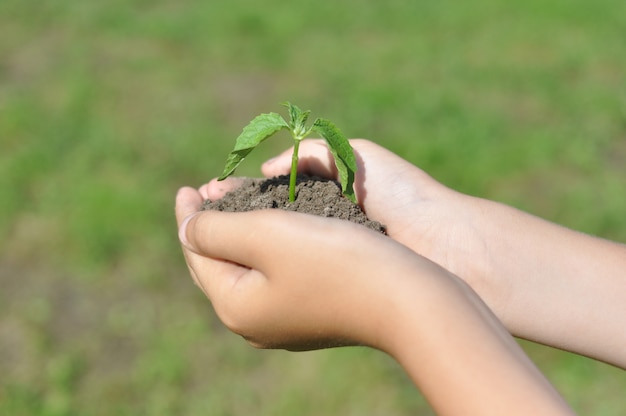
<point x="270" y="161"/>
<point x="182" y="230"/>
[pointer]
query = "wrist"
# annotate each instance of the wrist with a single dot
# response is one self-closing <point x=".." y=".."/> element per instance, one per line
<point x="461" y="240"/>
<point x="417" y="299"/>
<point x="457" y="352"/>
<point x="481" y="243"/>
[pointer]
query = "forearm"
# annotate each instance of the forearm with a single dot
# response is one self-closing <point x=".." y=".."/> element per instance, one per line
<point x="461" y="357"/>
<point x="557" y="286"/>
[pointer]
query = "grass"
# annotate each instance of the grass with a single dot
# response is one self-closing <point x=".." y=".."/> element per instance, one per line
<point x="106" y="108"/>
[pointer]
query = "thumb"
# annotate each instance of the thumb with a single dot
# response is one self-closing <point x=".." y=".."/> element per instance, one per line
<point x="255" y="239"/>
<point x="188" y="201"/>
<point x="240" y="237"/>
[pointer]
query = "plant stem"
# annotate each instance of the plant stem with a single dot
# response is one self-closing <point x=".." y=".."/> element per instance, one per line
<point x="294" y="171"/>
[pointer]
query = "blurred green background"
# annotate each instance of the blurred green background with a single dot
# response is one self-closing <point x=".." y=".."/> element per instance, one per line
<point x="106" y="108"/>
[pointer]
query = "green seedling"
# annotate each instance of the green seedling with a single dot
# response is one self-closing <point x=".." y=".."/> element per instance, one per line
<point x="265" y="125"/>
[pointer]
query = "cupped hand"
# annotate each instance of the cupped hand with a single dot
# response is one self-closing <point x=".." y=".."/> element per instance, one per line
<point x="289" y="280"/>
<point x="419" y="212"/>
<point x="296" y="281"/>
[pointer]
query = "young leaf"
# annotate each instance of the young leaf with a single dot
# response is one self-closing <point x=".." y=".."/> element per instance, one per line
<point x="341" y="150"/>
<point x="298" y="120"/>
<point x="259" y="129"/>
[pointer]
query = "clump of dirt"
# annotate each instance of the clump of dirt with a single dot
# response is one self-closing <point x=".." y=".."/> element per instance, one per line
<point x="314" y="195"/>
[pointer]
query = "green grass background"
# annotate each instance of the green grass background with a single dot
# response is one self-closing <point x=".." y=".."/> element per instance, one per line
<point x="106" y="108"/>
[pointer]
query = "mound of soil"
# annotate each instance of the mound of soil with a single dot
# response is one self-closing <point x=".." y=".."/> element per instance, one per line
<point x="314" y="195"/>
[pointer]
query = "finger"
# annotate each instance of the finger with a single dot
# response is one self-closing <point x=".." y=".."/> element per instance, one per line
<point x="216" y="278"/>
<point x="215" y="189"/>
<point x="221" y="235"/>
<point x="314" y="159"/>
<point x="209" y="241"/>
<point x="252" y="238"/>
<point x="188" y="201"/>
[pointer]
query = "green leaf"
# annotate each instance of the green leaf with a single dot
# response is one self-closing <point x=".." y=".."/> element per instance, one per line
<point x="298" y="120"/>
<point x="259" y="129"/>
<point x="341" y="150"/>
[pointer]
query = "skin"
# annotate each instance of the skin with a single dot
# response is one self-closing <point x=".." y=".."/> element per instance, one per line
<point x="435" y="296"/>
<point x="275" y="294"/>
<point x="546" y="283"/>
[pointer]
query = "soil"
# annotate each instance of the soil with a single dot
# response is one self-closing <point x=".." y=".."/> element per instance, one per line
<point x="314" y="195"/>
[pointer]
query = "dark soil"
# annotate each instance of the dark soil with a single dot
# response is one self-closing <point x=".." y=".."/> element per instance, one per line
<point x="314" y="195"/>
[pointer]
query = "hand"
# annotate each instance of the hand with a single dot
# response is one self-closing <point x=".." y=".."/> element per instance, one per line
<point x="419" y="212"/>
<point x="289" y="280"/>
<point x="544" y="282"/>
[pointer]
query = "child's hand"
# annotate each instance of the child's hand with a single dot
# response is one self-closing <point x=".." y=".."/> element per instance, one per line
<point x="418" y="211"/>
<point x="545" y="282"/>
<point x="295" y="281"/>
<point x="289" y="280"/>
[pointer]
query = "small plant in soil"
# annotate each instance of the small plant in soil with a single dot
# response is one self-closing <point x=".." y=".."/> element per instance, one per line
<point x="265" y="125"/>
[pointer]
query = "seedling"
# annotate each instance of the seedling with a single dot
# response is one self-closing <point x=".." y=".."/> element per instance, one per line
<point x="265" y="125"/>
